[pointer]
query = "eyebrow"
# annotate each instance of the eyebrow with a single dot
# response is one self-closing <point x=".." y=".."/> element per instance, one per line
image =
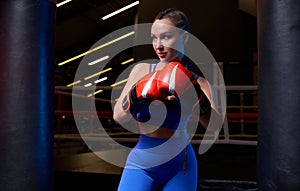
<point x="164" y="33"/>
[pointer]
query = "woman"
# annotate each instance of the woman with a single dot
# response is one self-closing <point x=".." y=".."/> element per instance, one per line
<point x="178" y="172"/>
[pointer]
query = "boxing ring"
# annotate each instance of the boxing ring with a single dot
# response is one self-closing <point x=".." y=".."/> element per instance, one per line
<point x="228" y="165"/>
<point x="27" y="60"/>
<point x="241" y="114"/>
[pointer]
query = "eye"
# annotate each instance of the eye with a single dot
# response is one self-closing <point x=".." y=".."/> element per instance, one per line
<point x="154" y="38"/>
<point x="166" y="37"/>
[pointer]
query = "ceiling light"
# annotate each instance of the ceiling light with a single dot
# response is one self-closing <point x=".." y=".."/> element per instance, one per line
<point x="62" y="3"/>
<point x="96" y="48"/>
<point x="74" y="83"/>
<point x="97" y="74"/>
<point x="96" y="92"/>
<point x="120" y="82"/>
<point x="87" y="85"/>
<point x="98" y="60"/>
<point x="127" y="61"/>
<point x="100" y="80"/>
<point x="91" y="76"/>
<point x="120" y="10"/>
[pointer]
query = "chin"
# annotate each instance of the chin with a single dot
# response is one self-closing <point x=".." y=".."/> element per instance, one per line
<point x="163" y="59"/>
<point x="170" y="59"/>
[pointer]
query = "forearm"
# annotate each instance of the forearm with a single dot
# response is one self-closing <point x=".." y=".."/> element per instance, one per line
<point x="212" y="120"/>
<point x="204" y="118"/>
<point x="120" y="116"/>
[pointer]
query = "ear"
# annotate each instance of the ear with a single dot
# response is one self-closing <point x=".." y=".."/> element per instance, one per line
<point x="185" y="37"/>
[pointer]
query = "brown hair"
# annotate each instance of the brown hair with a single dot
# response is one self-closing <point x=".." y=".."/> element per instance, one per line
<point x="176" y="16"/>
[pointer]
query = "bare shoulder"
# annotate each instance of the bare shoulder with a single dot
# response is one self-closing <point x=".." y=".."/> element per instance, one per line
<point x="203" y="82"/>
<point x="140" y="66"/>
<point x="139" y="70"/>
<point x="205" y="86"/>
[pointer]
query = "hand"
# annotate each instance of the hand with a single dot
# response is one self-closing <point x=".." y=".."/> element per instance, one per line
<point x="182" y="83"/>
<point x="140" y="96"/>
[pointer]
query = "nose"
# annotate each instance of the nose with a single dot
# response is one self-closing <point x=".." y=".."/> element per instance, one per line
<point x="158" y="44"/>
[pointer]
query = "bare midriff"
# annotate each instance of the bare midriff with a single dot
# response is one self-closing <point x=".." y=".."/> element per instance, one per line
<point x="156" y="132"/>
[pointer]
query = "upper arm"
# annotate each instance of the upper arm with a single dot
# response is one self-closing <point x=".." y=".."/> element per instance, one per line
<point x="137" y="72"/>
<point x="133" y="77"/>
<point x="206" y="88"/>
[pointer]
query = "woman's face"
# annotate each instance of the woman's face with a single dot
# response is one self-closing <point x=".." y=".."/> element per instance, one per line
<point x="167" y="40"/>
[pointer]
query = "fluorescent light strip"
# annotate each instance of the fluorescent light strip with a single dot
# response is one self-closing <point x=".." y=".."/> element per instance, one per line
<point x="62" y="3"/>
<point x="120" y="10"/>
<point x="96" y="92"/>
<point x="120" y="82"/>
<point x="91" y="76"/>
<point x="98" y="60"/>
<point x="100" y="80"/>
<point x="127" y="61"/>
<point x="74" y="83"/>
<point x="96" y="48"/>
<point x="98" y="73"/>
<point x="87" y="85"/>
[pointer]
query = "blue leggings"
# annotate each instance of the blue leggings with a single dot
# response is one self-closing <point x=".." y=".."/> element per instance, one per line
<point x="179" y="173"/>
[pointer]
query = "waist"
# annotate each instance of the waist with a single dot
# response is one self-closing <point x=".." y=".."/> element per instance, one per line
<point x="161" y="132"/>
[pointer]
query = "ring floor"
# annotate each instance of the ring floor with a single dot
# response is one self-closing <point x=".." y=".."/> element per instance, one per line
<point x="223" y="167"/>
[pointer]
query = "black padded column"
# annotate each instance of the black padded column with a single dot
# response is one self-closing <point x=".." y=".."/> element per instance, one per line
<point x="279" y="95"/>
<point x="26" y="94"/>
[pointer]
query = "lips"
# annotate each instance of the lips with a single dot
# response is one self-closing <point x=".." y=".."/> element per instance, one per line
<point x="161" y="54"/>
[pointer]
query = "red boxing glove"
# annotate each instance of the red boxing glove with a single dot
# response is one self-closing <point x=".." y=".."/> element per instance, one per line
<point x="141" y="95"/>
<point x="173" y="79"/>
<point x="176" y="79"/>
<point x="160" y="84"/>
<point x="145" y="88"/>
<point x="148" y="86"/>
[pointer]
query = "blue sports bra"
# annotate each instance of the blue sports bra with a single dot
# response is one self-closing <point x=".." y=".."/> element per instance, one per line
<point x="152" y="67"/>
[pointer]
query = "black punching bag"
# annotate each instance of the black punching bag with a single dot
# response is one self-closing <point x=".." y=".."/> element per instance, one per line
<point x="279" y="95"/>
<point x="26" y="94"/>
